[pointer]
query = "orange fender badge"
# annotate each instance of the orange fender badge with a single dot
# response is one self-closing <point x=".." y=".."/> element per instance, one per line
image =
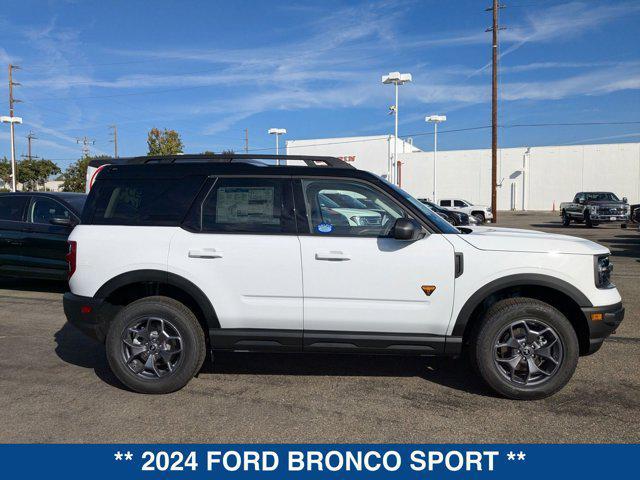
<point x="428" y="289"/>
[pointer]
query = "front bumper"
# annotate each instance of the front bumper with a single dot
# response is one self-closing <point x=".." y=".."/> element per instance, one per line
<point x="602" y="322"/>
<point x="596" y="217"/>
<point x="86" y="314"/>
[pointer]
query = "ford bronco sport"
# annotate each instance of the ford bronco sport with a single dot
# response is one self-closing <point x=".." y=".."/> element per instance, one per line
<point x="179" y="256"/>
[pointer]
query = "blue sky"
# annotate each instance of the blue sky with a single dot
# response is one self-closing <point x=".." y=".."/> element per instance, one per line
<point x="210" y="69"/>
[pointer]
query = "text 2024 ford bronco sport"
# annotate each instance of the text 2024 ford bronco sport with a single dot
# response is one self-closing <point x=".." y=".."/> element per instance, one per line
<point x="176" y="256"/>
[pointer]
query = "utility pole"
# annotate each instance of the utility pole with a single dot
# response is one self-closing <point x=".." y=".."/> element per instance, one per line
<point x="494" y="107"/>
<point x="85" y="141"/>
<point x="13" y="101"/>
<point x="31" y="136"/>
<point x="115" y="140"/>
<point x="246" y="140"/>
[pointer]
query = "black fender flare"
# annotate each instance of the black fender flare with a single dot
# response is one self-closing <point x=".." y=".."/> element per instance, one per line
<point x="517" y="280"/>
<point x="169" y="278"/>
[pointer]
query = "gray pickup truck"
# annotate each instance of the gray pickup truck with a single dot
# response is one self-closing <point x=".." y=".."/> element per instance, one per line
<point x="593" y="208"/>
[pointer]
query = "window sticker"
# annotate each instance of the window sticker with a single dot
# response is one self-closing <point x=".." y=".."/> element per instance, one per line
<point x="325" y="228"/>
<point x="246" y="205"/>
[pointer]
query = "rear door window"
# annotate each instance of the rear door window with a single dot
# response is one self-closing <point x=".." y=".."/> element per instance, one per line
<point x="249" y="205"/>
<point x="445" y="203"/>
<point x="42" y="210"/>
<point x="12" y="207"/>
<point x="153" y="201"/>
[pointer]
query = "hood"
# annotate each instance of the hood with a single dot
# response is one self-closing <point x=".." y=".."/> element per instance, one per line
<point x="516" y="240"/>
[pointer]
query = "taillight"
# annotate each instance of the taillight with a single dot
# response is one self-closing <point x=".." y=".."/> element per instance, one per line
<point x="71" y="257"/>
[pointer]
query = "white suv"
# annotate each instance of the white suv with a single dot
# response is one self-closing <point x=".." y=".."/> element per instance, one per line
<point x="179" y="256"/>
<point x="481" y="213"/>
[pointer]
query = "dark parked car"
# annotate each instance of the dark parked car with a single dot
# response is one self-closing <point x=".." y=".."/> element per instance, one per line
<point x="454" y="218"/>
<point x="34" y="227"/>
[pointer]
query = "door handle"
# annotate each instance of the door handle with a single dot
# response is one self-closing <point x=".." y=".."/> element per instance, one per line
<point x="205" y="253"/>
<point x="334" y="255"/>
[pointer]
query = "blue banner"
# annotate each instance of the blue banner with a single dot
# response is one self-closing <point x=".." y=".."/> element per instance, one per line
<point x="359" y="461"/>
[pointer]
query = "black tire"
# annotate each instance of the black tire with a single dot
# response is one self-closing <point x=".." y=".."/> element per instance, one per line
<point x="487" y="336"/>
<point x="587" y="220"/>
<point x="479" y="216"/>
<point x="566" y="220"/>
<point x="189" y="343"/>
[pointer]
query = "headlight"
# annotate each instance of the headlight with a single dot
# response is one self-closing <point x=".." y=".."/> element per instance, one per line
<point x="603" y="269"/>
<point x="593" y="209"/>
<point x="488" y="209"/>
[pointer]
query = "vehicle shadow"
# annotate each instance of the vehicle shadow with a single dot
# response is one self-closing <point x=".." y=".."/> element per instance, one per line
<point x="449" y="372"/>
<point x="31" y="285"/>
<point x="73" y="347"/>
<point x="623" y="245"/>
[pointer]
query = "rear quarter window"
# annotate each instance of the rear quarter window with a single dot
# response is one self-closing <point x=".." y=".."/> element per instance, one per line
<point x="151" y="202"/>
<point x="12" y="207"/>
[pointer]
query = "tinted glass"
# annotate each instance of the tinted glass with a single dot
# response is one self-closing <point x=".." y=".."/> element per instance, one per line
<point x="601" y="197"/>
<point x="458" y="203"/>
<point x="445" y="203"/>
<point x="42" y="210"/>
<point x="11" y="207"/>
<point x="77" y="201"/>
<point x="442" y="225"/>
<point x="249" y="205"/>
<point x="157" y="201"/>
<point x="357" y="209"/>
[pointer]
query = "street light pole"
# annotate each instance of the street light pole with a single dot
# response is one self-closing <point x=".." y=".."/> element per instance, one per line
<point x="435" y="119"/>
<point x="11" y="120"/>
<point x="277" y="132"/>
<point x="397" y="79"/>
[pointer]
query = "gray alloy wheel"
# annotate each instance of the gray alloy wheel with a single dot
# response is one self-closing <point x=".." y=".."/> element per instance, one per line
<point x="155" y="345"/>
<point x="528" y="352"/>
<point x="151" y="347"/>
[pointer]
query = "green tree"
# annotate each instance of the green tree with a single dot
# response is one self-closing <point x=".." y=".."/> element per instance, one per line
<point x="5" y="170"/>
<point x="33" y="172"/>
<point x="75" y="176"/>
<point x="166" y="142"/>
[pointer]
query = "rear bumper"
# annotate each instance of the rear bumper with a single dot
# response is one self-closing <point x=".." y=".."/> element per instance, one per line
<point x="602" y="322"/>
<point x="86" y="314"/>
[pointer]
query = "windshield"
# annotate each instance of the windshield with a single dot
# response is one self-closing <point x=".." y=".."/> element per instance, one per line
<point x="601" y="197"/>
<point x="443" y="225"/>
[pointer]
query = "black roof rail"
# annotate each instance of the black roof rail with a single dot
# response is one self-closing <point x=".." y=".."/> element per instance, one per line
<point x="257" y="160"/>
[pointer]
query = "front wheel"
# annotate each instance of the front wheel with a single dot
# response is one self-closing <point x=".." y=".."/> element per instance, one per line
<point x="479" y="216"/>
<point x="587" y="221"/>
<point x="566" y="220"/>
<point x="155" y="345"/>
<point x="525" y="349"/>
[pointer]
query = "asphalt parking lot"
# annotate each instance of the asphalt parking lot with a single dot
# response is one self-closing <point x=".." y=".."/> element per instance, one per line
<point x="55" y="385"/>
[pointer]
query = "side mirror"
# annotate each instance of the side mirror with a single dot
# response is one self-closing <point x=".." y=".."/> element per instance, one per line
<point x="62" y="221"/>
<point x="624" y="200"/>
<point x="408" y="230"/>
<point x="581" y="201"/>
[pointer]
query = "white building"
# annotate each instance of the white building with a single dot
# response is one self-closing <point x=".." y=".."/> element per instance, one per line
<point x="372" y="153"/>
<point x="535" y="178"/>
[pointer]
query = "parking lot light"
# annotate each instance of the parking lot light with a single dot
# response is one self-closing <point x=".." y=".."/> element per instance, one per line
<point x="435" y="119"/>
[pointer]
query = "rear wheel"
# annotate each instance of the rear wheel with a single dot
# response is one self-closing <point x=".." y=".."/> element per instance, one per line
<point x="525" y="349"/>
<point x="155" y="345"/>
<point x="566" y="220"/>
